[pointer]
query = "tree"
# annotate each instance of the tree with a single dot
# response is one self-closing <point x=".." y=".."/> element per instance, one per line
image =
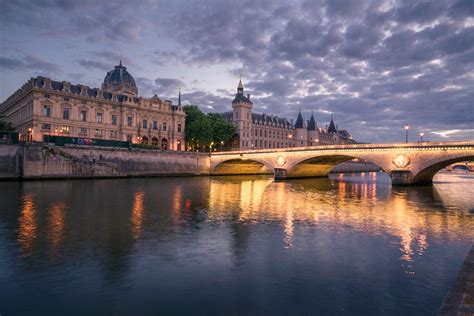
<point x="222" y="131"/>
<point x="202" y="131"/>
<point x="5" y="126"/>
<point x="198" y="131"/>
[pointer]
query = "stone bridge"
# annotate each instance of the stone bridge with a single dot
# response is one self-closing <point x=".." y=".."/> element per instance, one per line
<point x="406" y="164"/>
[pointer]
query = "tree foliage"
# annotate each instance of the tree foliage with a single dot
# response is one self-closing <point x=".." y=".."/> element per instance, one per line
<point x="203" y="131"/>
<point x="5" y="126"/>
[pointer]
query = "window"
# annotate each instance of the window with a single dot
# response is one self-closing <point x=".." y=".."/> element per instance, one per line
<point x="129" y="138"/>
<point x="248" y="115"/>
<point x="256" y="132"/>
<point x="46" y="127"/>
<point x="66" y="113"/>
<point x="98" y="132"/>
<point x="66" y="98"/>
<point x="129" y="121"/>
<point x="236" y="115"/>
<point x="155" y="125"/>
<point x="145" y="123"/>
<point x="100" y="117"/>
<point x="113" y="134"/>
<point x="64" y="129"/>
<point x="179" y="128"/>
<point x="114" y="119"/>
<point x="47" y="96"/>
<point x="164" y="126"/>
<point x="47" y="110"/>
<point x="83" y="131"/>
<point x="83" y="115"/>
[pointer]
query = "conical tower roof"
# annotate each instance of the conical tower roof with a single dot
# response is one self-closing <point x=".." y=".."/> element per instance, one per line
<point x="312" y="123"/>
<point x="299" y="121"/>
<point x="332" y="128"/>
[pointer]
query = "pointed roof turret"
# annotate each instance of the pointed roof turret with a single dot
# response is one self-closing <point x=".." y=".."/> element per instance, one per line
<point x="299" y="121"/>
<point x="312" y="123"/>
<point x="332" y="128"/>
<point x="240" y="97"/>
<point x="179" y="97"/>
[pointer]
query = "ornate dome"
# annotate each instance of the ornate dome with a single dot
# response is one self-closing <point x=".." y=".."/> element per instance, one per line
<point x="120" y="79"/>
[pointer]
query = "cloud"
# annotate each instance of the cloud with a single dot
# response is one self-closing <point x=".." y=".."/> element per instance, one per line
<point x="29" y="62"/>
<point x="94" y="64"/>
<point x="166" y="87"/>
<point x="375" y="65"/>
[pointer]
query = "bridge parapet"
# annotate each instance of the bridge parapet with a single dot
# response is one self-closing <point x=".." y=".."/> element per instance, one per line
<point x="406" y="164"/>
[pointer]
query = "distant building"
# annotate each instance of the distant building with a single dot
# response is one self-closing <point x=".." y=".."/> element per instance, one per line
<point x="268" y="131"/>
<point x="115" y="112"/>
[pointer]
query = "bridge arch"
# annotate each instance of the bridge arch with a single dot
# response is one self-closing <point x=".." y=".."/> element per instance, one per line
<point x="242" y="166"/>
<point x="428" y="169"/>
<point x="321" y="165"/>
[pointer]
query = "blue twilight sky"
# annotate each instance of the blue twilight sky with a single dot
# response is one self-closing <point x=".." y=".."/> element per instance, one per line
<point x="375" y="65"/>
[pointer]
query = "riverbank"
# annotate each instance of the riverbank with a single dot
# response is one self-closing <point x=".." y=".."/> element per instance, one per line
<point x="44" y="161"/>
<point x="460" y="299"/>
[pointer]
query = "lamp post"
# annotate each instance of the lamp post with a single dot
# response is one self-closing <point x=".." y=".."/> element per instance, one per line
<point x="421" y="136"/>
<point x="30" y="130"/>
<point x="407" y="127"/>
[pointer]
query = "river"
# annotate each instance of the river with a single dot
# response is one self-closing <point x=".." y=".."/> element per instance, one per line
<point x="350" y="244"/>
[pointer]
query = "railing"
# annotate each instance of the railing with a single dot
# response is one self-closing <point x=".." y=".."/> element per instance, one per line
<point x="414" y="145"/>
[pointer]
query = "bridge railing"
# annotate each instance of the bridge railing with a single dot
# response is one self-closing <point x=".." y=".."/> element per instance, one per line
<point x="455" y="144"/>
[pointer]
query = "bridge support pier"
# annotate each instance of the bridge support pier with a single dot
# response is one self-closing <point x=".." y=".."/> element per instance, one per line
<point x="402" y="177"/>
<point x="280" y="173"/>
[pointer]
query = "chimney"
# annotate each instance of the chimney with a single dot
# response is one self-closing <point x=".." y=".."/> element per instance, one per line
<point x="248" y="96"/>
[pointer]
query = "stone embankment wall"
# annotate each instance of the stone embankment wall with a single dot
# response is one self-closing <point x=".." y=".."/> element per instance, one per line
<point x="10" y="161"/>
<point x="39" y="161"/>
<point x="42" y="161"/>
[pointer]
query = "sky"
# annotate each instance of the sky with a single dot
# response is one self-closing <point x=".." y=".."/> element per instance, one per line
<point x="373" y="65"/>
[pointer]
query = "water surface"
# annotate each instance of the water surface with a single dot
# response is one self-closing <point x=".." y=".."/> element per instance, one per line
<point x="352" y="244"/>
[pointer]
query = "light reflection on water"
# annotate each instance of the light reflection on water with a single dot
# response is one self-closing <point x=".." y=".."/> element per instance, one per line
<point x="348" y="244"/>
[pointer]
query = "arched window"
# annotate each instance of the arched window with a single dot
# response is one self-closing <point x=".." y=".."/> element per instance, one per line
<point x="154" y="141"/>
<point x="164" y="144"/>
<point x="144" y="140"/>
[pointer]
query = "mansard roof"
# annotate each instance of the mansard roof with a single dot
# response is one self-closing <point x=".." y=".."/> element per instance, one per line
<point x="228" y="116"/>
<point x="266" y="119"/>
<point x="241" y="98"/>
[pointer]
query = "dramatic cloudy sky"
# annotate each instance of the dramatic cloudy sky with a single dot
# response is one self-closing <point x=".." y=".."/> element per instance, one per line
<point x="375" y="65"/>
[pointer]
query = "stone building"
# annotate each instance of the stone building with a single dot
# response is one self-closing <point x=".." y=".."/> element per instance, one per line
<point x="256" y="131"/>
<point x="113" y="112"/>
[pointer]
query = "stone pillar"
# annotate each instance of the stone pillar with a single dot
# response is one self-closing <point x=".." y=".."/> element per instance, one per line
<point x="280" y="173"/>
<point x="401" y="177"/>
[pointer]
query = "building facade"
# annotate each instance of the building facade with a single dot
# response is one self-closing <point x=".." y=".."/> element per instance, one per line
<point x="258" y="131"/>
<point x="114" y="112"/>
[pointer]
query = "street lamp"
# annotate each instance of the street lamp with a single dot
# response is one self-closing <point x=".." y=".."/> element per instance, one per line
<point x="406" y="132"/>
<point x="421" y="136"/>
<point x="30" y="130"/>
